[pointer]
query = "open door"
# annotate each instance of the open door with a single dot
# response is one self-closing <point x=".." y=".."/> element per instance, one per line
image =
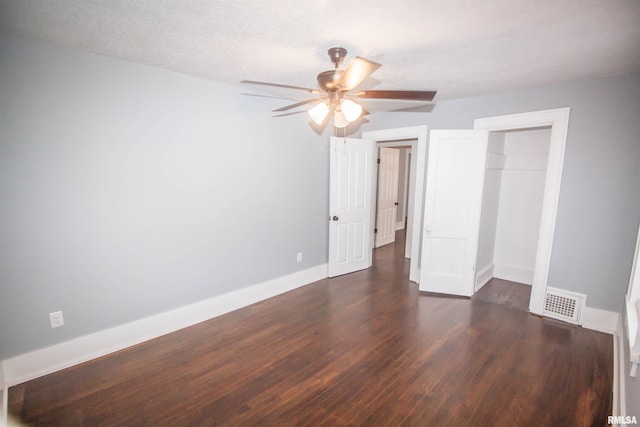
<point x="453" y="201"/>
<point x="387" y="200"/>
<point x="351" y="174"/>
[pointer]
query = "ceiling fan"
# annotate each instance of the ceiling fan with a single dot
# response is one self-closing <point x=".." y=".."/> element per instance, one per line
<point x="336" y="90"/>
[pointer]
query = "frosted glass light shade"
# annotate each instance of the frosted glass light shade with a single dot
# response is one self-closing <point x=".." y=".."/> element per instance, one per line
<point x="319" y="113"/>
<point x="339" y="119"/>
<point x="351" y="109"/>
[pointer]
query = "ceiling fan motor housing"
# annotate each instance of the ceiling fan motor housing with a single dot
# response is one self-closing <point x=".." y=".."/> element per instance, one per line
<point x="328" y="80"/>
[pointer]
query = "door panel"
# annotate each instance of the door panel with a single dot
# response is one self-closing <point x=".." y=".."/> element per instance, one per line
<point x="387" y="207"/>
<point x="453" y="199"/>
<point x="350" y="204"/>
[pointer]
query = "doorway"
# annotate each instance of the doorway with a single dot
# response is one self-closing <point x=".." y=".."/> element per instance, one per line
<point x="453" y="202"/>
<point x="558" y="122"/>
<point x="392" y="193"/>
<point x="416" y="138"/>
<point x="512" y="201"/>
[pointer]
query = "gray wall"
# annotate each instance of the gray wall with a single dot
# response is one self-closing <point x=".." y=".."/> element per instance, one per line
<point x="599" y="205"/>
<point x="127" y="190"/>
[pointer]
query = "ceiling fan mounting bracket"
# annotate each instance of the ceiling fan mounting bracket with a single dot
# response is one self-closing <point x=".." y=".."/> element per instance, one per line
<point x="337" y="55"/>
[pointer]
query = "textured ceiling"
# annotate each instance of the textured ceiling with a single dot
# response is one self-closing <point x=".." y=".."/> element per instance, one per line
<point x="458" y="47"/>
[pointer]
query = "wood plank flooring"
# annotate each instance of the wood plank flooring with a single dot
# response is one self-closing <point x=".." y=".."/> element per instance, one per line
<point x="362" y="349"/>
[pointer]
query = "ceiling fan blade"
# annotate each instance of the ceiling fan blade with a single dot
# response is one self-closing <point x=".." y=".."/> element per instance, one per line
<point x="298" y="104"/>
<point x="357" y="71"/>
<point x="425" y="108"/>
<point x="252" y="82"/>
<point x="259" y="95"/>
<point x="409" y="95"/>
<point x="290" y="114"/>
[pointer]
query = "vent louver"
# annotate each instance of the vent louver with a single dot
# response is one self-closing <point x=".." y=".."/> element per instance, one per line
<point x="564" y="305"/>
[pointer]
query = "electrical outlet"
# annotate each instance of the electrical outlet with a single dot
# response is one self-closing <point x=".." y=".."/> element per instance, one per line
<point x="299" y="257"/>
<point x="56" y="319"/>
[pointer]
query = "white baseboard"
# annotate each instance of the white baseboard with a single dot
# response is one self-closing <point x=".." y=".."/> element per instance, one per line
<point x="513" y="273"/>
<point x="483" y="276"/>
<point x="399" y="225"/>
<point x="600" y="320"/>
<point x="619" y="374"/>
<point x="41" y="362"/>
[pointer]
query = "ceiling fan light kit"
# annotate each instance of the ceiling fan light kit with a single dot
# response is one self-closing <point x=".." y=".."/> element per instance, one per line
<point x="336" y="84"/>
<point x="345" y="112"/>
<point x="319" y="112"/>
<point x="351" y="109"/>
<point x="339" y="120"/>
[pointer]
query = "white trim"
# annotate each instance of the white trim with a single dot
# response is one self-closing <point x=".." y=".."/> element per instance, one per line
<point x="37" y="363"/>
<point x="483" y="277"/>
<point x="600" y="320"/>
<point x="632" y="311"/>
<point x="416" y="191"/>
<point x="405" y="191"/>
<point x="619" y="375"/>
<point x="513" y="273"/>
<point x="632" y="328"/>
<point x="558" y="119"/>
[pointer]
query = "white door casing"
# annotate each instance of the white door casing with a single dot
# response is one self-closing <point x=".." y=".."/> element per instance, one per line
<point x="416" y="137"/>
<point x="387" y="200"/>
<point x="350" y="204"/>
<point x="558" y="119"/>
<point x="453" y="200"/>
<point x="404" y="194"/>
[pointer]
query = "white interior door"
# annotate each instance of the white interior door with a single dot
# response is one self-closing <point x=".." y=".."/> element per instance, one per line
<point x="351" y="174"/>
<point x="387" y="207"/>
<point x="453" y="199"/>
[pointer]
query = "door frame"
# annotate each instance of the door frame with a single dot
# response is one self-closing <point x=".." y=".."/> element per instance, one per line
<point x="405" y="187"/>
<point x="416" y="137"/>
<point x="558" y="120"/>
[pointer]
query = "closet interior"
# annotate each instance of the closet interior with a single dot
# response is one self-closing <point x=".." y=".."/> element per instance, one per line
<point x="512" y="205"/>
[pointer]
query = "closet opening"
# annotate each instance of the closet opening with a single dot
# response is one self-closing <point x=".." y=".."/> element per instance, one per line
<point x="512" y="203"/>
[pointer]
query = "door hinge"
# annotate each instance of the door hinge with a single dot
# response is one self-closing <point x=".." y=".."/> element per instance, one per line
<point x="378" y="161"/>
<point x="375" y="231"/>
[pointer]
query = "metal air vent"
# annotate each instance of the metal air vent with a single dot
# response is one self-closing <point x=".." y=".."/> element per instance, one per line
<point x="564" y="305"/>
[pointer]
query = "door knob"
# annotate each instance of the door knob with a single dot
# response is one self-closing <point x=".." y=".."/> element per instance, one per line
<point x="396" y="203"/>
<point x="335" y="218"/>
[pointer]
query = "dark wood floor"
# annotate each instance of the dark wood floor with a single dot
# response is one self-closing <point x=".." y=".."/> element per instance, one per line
<point x="361" y="349"/>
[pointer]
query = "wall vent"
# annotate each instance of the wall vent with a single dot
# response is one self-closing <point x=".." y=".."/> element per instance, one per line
<point x="564" y="305"/>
